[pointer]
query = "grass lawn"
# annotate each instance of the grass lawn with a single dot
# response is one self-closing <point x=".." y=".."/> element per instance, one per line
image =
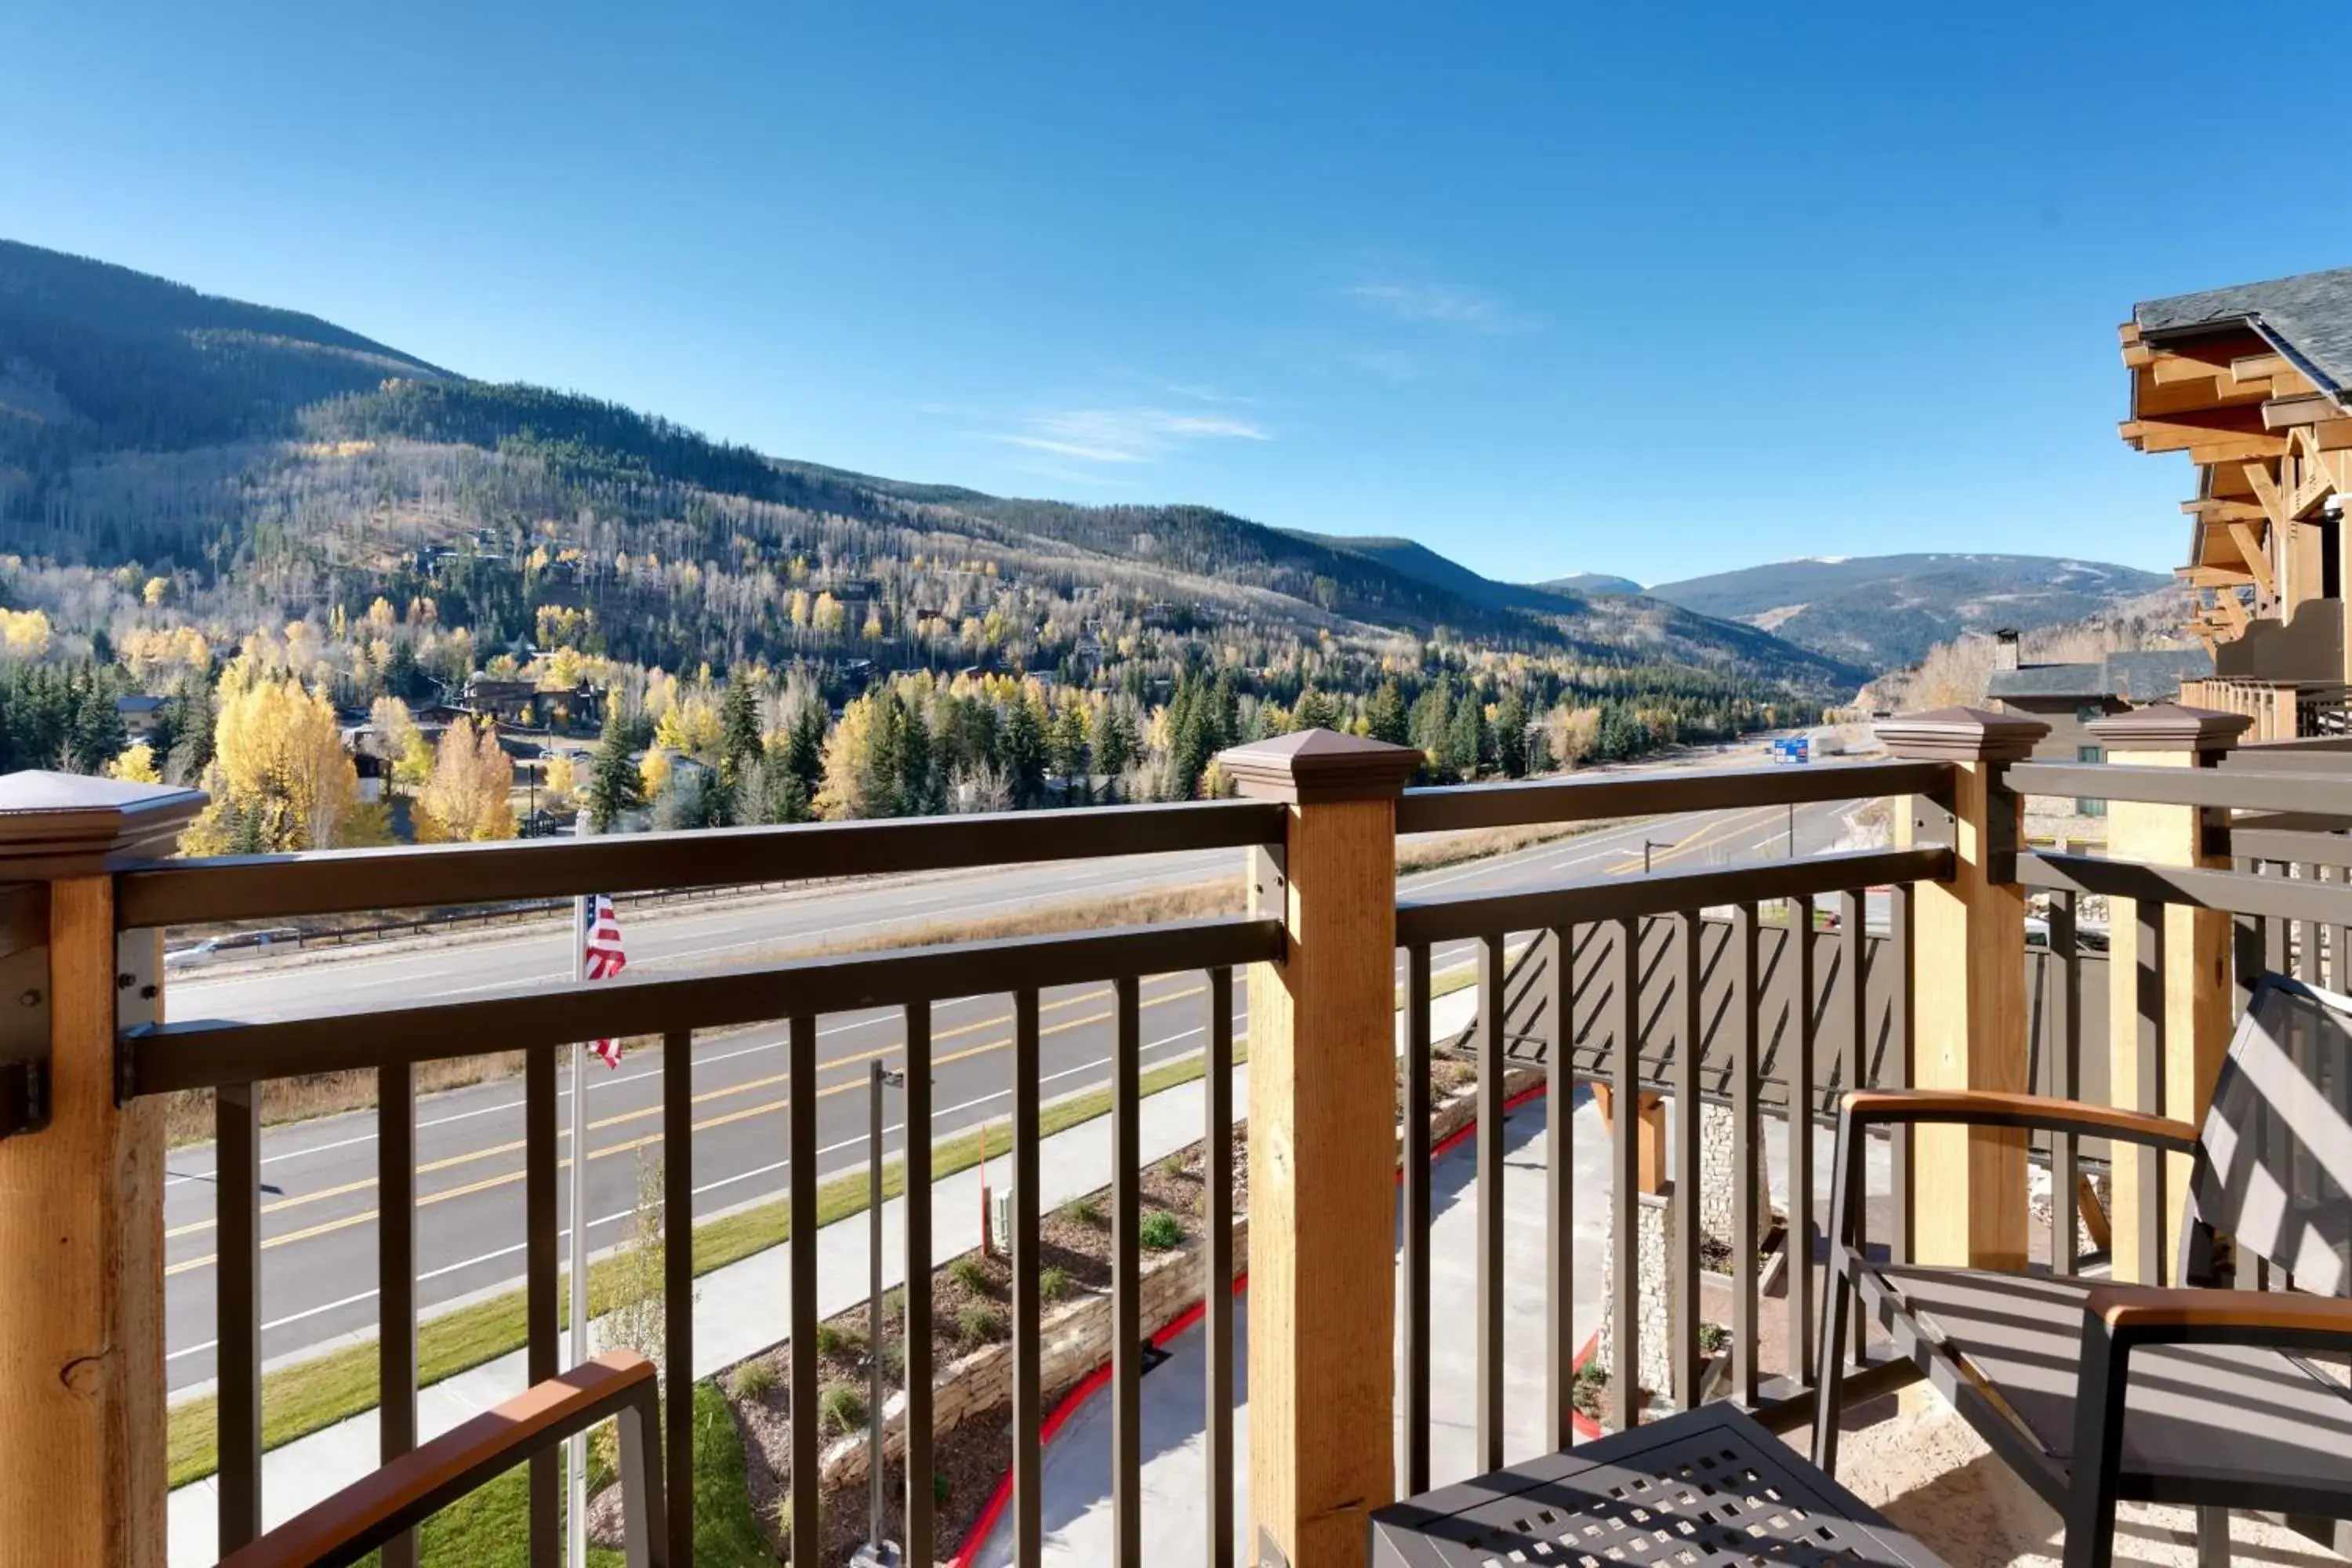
<point x="488" y="1529"/>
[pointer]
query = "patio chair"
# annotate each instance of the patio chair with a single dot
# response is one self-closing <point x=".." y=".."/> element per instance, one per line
<point x="2092" y="1392"/>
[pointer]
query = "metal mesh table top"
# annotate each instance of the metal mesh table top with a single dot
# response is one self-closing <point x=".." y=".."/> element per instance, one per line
<point x="1695" y="1491"/>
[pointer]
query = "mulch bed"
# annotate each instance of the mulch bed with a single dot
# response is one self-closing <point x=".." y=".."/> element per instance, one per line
<point x="971" y="1297"/>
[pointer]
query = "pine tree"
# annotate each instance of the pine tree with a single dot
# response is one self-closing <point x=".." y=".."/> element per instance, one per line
<point x="1023" y="748"/>
<point x="739" y="723"/>
<point x="613" y="782"/>
<point x="1384" y="716"/>
<point x="1511" y="736"/>
<point x="1067" y="747"/>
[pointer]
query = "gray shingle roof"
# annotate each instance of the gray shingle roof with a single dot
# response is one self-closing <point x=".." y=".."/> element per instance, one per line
<point x="2311" y="314"/>
<point x="2142" y="678"/>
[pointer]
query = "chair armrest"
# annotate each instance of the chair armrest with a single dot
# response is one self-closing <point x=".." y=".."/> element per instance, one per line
<point x="374" y="1510"/>
<point x="1988" y="1108"/>
<point x="2285" y="1319"/>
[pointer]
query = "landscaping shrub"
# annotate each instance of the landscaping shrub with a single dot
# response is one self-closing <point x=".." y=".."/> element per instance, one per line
<point x="1161" y="1231"/>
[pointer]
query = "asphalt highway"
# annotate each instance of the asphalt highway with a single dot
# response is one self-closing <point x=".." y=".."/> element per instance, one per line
<point x="319" y="1191"/>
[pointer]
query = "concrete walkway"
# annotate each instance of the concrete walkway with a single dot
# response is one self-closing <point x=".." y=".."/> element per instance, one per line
<point x="739" y="1310"/>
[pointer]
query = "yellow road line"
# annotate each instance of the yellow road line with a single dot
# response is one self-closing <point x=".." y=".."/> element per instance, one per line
<point x="510" y="1177"/>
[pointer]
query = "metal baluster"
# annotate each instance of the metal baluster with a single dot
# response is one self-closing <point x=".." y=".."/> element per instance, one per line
<point x="1901" y="954"/>
<point x="1798" y="1076"/>
<point x="2151" y="1163"/>
<point x="1028" y="1413"/>
<point x="801" y="1133"/>
<point x="395" y="1276"/>
<point x="1689" y="932"/>
<point x="1853" y="915"/>
<point x="1416" y="1221"/>
<point x="1490" y="1201"/>
<point x="1746" y="1376"/>
<point x="2306" y="933"/>
<point x="237" y="1196"/>
<point x="543" y="1266"/>
<point x="914" y="1319"/>
<point x="1217" y="1317"/>
<point x="1560" y="1197"/>
<point x="1126" y="1279"/>
<point x="1625" y="1179"/>
<point x="678" y="1289"/>
<point x="2065" y="1079"/>
<point x="2245" y="950"/>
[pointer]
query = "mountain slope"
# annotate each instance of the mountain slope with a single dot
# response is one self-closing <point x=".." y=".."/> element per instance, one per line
<point x="1591" y="583"/>
<point x="94" y="355"/>
<point x="1886" y="611"/>
<point x="280" y="465"/>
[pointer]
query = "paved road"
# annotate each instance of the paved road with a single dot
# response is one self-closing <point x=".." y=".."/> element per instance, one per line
<point x="318" y="1194"/>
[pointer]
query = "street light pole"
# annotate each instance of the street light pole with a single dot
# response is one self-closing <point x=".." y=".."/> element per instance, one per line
<point x="876" y="1553"/>
<point x="1648" y="845"/>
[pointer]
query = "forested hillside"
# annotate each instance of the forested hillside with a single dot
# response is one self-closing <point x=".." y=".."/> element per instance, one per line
<point x="192" y="486"/>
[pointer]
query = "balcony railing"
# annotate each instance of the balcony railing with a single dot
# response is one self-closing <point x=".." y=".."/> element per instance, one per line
<point x="1726" y="986"/>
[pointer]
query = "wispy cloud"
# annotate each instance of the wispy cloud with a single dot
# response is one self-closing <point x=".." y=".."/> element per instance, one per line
<point x="1440" y="304"/>
<point x="1127" y="435"/>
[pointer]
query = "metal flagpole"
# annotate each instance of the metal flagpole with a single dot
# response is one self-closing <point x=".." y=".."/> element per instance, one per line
<point x="576" y="1512"/>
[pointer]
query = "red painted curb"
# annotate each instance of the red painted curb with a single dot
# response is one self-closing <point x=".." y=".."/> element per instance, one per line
<point x="1090" y="1385"/>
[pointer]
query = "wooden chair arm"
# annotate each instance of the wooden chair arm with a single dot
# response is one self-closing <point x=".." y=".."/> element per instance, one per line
<point x="1990" y="1107"/>
<point x="374" y="1510"/>
<point x="2149" y="1314"/>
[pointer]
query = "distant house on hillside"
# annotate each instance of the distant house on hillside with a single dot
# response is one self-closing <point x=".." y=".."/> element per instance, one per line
<point x="141" y="715"/>
<point x="2069" y="697"/>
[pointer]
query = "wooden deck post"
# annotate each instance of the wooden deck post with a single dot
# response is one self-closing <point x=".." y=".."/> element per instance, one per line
<point x="81" y="1205"/>
<point x="1968" y="1185"/>
<point x="1322" y="1148"/>
<point x="2184" y="1015"/>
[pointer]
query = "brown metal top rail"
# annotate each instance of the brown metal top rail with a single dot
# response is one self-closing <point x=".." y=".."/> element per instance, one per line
<point x="1618" y="898"/>
<point x="267" y="887"/>
<point x="1642" y="794"/>
<point x="207" y="1053"/>
<point x="261" y="887"/>
<point x="2231" y="892"/>
<point x="2241" y="790"/>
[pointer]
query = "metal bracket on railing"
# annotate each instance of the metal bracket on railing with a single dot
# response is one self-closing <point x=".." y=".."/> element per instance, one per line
<point x="25" y="1041"/>
<point x="1934" y="823"/>
<point x="138" y="998"/>
<point x="1269" y="882"/>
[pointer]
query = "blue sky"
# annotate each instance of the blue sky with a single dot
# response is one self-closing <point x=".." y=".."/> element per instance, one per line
<point x="1657" y="289"/>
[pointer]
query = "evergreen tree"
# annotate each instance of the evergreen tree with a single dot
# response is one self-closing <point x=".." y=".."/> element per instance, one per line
<point x="739" y="724"/>
<point x="1114" y="745"/>
<point x="613" y="782"/>
<point x="1023" y="752"/>
<point x="1066" y="747"/>
<point x="1315" y="711"/>
<point x="1384" y="716"/>
<point x="1511" y="735"/>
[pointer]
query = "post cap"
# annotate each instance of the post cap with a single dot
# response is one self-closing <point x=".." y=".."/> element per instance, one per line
<point x="1310" y="767"/>
<point x="1961" y="735"/>
<point x="65" y="824"/>
<point x="2171" y="727"/>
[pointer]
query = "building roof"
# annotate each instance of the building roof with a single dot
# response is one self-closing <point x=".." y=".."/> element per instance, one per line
<point x="2154" y="677"/>
<point x="138" y="703"/>
<point x="2309" y="317"/>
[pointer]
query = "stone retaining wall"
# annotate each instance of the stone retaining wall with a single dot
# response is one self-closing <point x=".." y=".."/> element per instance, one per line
<point x="1075" y="1336"/>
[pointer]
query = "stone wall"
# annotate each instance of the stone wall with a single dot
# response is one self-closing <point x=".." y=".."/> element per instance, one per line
<point x="1654" y="1217"/>
<point x="1716" y="1171"/>
<point x="1073" y="1339"/>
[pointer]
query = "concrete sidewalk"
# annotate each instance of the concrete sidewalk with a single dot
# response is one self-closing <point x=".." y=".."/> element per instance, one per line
<point x="739" y="1310"/>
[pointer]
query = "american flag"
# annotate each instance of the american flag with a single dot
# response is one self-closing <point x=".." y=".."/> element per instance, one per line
<point x="602" y="959"/>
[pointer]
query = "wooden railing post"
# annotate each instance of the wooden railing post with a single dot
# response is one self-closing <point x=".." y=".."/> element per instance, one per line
<point x="1968" y="992"/>
<point x="2168" y="1010"/>
<point x="81" y="1201"/>
<point x="1322" y="1148"/>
